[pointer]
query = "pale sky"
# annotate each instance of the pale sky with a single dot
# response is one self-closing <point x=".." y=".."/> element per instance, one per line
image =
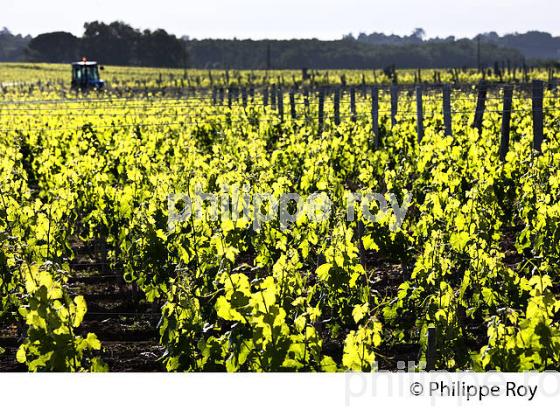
<point x="323" y="19"/>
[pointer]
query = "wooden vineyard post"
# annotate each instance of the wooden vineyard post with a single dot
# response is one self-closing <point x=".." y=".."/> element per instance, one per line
<point x="306" y="99"/>
<point x="375" y="116"/>
<point x="236" y="94"/>
<point x="222" y="96"/>
<point x="337" y="106"/>
<point x="306" y="104"/>
<point x="431" y="350"/>
<point x="214" y="96"/>
<point x="244" y="96"/>
<point x="419" y="114"/>
<point x="230" y="96"/>
<point x="265" y="96"/>
<point x="538" y="115"/>
<point x="353" y="115"/>
<point x="480" y="105"/>
<point x="280" y="101"/>
<point x="394" y="104"/>
<point x="293" y="104"/>
<point x="447" y="110"/>
<point x="273" y="96"/>
<point x="506" y="121"/>
<point x="321" y="109"/>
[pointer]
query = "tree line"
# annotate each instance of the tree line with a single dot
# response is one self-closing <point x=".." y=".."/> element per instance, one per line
<point x="118" y="43"/>
<point x="340" y="54"/>
<point x="12" y="47"/>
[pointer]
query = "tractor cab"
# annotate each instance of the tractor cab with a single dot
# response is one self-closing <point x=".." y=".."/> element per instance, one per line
<point x="85" y="75"/>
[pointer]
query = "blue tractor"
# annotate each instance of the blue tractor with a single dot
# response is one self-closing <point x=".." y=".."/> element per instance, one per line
<point x="85" y="75"/>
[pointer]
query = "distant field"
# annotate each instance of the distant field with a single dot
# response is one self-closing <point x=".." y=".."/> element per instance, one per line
<point x="137" y="76"/>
